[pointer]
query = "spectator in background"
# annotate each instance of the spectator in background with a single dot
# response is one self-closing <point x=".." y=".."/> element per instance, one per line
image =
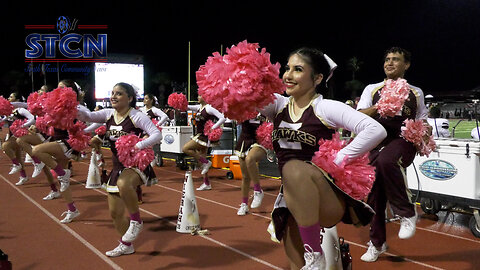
<point x="475" y="133"/>
<point x="440" y="125"/>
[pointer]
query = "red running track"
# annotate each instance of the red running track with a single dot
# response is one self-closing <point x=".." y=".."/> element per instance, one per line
<point x="30" y="232"/>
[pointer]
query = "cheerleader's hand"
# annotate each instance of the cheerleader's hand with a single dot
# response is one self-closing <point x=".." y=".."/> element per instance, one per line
<point x="429" y="129"/>
<point x="32" y="129"/>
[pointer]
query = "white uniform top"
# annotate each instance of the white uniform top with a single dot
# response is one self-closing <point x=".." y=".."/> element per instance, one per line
<point x="157" y="112"/>
<point x="338" y="115"/>
<point x="138" y="118"/>
<point x="19" y="104"/>
<point x="92" y="127"/>
<point x="367" y="98"/>
<point x="25" y="113"/>
<point x="210" y="110"/>
<point x="440" y="127"/>
<point x="474" y="134"/>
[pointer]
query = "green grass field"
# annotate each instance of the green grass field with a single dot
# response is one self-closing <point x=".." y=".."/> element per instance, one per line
<point x="463" y="129"/>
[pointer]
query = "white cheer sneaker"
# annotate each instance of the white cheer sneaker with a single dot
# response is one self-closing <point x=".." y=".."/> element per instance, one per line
<point x="313" y="260"/>
<point x="120" y="250"/>
<point x="243" y="210"/>
<point x="133" y="231"/>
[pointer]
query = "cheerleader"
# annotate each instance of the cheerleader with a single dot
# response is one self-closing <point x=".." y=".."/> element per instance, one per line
<point x="311" y="199"/>
<point x="249" y="152"/>
<point x="197" y="147"/>
<point x="153" y="112"/>
<point x="123" y="119"/>
<point x="35" y="138"/>
<point x="10" y="146"/>
<point x="393" y="155"/>
<point x="56" y="155"/>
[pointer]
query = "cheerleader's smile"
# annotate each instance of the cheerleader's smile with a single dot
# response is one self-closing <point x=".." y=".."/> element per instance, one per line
<point x="298" y="76"/>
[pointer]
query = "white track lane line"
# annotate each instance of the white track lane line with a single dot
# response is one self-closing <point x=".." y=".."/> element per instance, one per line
<point x="220" y="182"/>
<point x="418" y="228"/>
<point x="212" y="201"/>
<point x="203" y="236"/>
<point x="65" y="227"/>
<point x="356" y="244"/>
<point x="406" y="259"/>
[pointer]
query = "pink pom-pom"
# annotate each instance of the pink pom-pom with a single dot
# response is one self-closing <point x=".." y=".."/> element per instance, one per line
<point x="51" y="131"/>
<point x="416" y="132"/>
<point x="35" y="103"/>
<point x="144" y="157"/>
<point x="61" y="106"/>
<point x="131" y="157"/>
<point x="355" y="178"/>
<point x="41" y="123"/>
<point x="100" y="131"/>
<point x="125" y="146"/>
<point x="6" y="108"/>
<point x="155" y="122"/>
<point x="17" y="128"/>
<point x="178" y="101"/>
<point x="77" y="138"/>
<point x="264" y="135"/>
<point x="212" y="134"/>
<point x="392" y="98"/>
<point x="239" y="82"/>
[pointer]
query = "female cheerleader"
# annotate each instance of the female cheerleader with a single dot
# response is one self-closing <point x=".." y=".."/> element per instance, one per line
<point x="311" y="196"/>
<point x="123" y="119"/>
<point x="56" y="155"/>
<point x="249" y="152"/>
<point x="10" y="146"/>
<point x="154" y="113"/>
<point x="149" y="109"/>
<point x="197" y="147"/>
<point x="35" y="138"/>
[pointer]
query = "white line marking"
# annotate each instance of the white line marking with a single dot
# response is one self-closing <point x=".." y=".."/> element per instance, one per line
<point x="220" y="182"/>
<point x="203" y="236"/>
<point x="221" y="244"/>
<point x="406" y="259"/>
<point x="214" y="202"/>
<point x="356" y="244"/>
<point x="418" y="228"/>
<point x="65" y="227"/>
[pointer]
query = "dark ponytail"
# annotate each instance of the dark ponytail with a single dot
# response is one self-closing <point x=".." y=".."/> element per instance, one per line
<point x="152" y="97"/>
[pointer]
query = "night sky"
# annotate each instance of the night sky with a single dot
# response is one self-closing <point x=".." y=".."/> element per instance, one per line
<point x="443" y="36"/>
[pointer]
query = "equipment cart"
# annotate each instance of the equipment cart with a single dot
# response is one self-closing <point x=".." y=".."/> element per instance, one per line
<point x="449" y="177"/>
<point x="174" y="138"/>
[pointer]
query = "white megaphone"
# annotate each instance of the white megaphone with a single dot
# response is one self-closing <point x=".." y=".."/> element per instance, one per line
<point x="28" y="158"/>
<point x="188" y="218"/>
<point x="93" y="177"/>
<point x="331" y="247"/>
